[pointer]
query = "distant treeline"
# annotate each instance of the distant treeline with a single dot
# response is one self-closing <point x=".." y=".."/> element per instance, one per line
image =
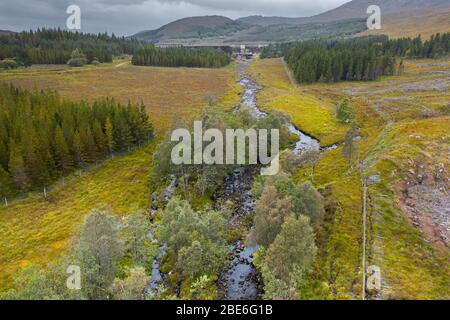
<point x="365" y="58"/>
<point x="181" y="57"/>
<point x="43" y="137"/>
<point x="54" y="46"/>
<point x="437" y="46"/>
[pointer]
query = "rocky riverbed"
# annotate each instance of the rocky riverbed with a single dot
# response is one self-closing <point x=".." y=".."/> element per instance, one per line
<point x="241" y="280"/>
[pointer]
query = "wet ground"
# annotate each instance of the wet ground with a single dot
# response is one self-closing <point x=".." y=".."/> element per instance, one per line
<point x="241" y="280"/>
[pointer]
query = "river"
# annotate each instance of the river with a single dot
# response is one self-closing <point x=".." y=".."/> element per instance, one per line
<point x="241" y="280"/>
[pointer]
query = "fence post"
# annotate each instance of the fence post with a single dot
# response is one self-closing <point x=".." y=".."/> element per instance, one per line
<point x="364" y="239"/>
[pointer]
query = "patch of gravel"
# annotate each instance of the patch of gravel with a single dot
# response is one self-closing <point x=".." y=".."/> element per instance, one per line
<point x="437" y="72"/>
<point x="431" y="64"/>
<point x="432" y="202"/>
<point x="441" y="84"/>
<point x="427" y="200"/>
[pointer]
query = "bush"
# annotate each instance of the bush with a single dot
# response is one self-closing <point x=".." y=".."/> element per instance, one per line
<point x="345" y="112"/>
<point x="77" y="62"/>
<point x="8" y="64"/>
<point x="271" y="212"/>
<point x="77" y="59"/>
<point x="98" y="251"/>
<point x="132" y="287"/>
<point x="196" y="240"/>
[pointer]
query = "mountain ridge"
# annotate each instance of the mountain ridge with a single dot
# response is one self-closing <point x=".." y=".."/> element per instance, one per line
<point x="221" y="30"/>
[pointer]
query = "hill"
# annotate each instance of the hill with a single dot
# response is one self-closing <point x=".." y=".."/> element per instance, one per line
<point x="5" y="32"/>
<point x="193" y="27"/>
<point x="268" y="21"/>
<point x="351" y="10"/>
<point x="223" y="31"/>
<point x="411" y="24"/>
<point x="358" y="8"/>
<point x="401" y="16"/>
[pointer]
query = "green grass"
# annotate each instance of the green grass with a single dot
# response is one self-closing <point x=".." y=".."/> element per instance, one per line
<point x="310" y="113"/>
<point x="168" y="93"/>
<point x="37" y="231"/>
<point x="393" y="132"/>
<point x="413" y="268"/>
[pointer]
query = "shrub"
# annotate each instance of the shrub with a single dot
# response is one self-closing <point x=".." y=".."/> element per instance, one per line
<point x="8" y="64"/>
<point x="345" y="112"/>
<point x="77" y="59"/>
<point x="77" y="62"/>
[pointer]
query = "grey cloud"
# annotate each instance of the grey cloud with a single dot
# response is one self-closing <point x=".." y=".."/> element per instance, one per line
<point x="266" y="7"/>
<point x="125" y="17"/>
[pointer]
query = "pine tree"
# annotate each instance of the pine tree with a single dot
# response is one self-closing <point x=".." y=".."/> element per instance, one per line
<point x="16" y="167"/>
<point x="109" y="132"/>
<point x="78" y="150"/>
<point x="37" y="129"/>
<point x="123" y="132"/>
<point x="89" y="149"/>
<point x="64" y="162"/>
<point x="100" y="141"/>
<point x="6" y="187"/>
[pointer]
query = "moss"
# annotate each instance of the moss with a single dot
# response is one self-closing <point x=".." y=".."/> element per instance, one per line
<point x="37" y="231"/>
<point x="393" y="133"/>
<point x="311" y="114"/>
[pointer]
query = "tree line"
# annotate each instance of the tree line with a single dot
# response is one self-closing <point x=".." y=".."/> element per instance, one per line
<point x="43" y="137"/>
<point x="54" y="46"/>
<point x="181" y="57"/>
<point x="437" y="46"/>
<point x="365" y="58"/>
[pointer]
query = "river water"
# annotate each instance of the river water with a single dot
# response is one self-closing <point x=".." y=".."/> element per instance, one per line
<point x="157" y="280"/>
<point x="241" y="280"/>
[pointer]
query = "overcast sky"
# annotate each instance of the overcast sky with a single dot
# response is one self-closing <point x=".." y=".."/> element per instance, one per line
<point x="126" y="17"/>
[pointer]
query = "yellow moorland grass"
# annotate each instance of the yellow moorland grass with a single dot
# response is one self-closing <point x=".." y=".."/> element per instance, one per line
<point x="168" y="93"/>
<point x="37" y="231"/>
<point x="400" y="118"/>
<point x="311" y="113"/>
<point x="411" y="24"/>
<point x="414" y="268"/>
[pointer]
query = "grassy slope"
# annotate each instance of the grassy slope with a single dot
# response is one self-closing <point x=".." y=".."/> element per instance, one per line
<point x="389" y="112"/>
<point x="34" y="230"/>
<point x="412" y="267"/>
<point x="308" y="112"/>
<point x="425" y="23"/>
